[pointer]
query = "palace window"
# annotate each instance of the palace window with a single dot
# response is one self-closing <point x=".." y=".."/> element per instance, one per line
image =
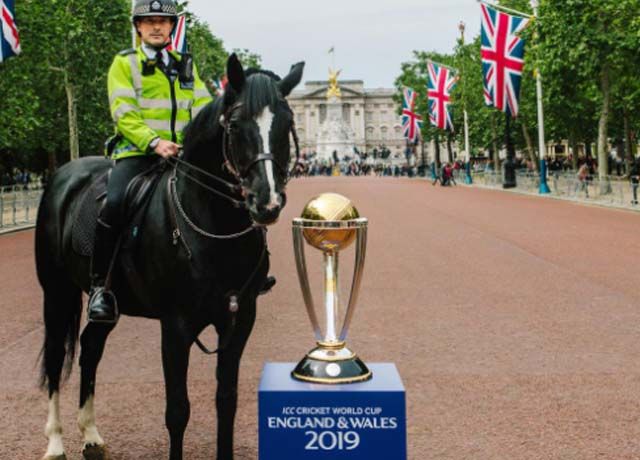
<point x="346" y="113"/>
<point x="323" y="113"/>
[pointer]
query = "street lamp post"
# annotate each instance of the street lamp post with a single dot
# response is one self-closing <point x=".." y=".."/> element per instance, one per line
<point x="544" y="187"/>
<point x="467" y="148"/>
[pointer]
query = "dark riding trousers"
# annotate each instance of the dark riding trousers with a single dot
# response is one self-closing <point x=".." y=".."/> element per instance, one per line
<point x="122" y="173"/>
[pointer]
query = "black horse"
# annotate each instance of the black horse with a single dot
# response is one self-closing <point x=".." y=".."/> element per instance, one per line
<point x="199" y="260"/>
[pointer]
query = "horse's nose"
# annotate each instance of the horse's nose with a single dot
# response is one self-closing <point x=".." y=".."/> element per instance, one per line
<point x="275" y="202"/>
<point x="267" y="216"/>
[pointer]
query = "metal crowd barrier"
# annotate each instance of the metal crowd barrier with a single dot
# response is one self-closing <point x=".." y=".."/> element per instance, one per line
<point x="19" y="205"/>
<point x="609" y="191"/>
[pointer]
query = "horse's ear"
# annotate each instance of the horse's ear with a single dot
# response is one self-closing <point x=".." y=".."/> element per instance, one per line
<point x="235" y="73"/>
<point x="291" y="81"/>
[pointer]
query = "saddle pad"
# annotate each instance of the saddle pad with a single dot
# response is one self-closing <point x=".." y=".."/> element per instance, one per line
<point x="84" y="223"/>
<point x="138" y="193"/>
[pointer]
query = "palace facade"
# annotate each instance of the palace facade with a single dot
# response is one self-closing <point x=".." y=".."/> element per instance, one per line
<point x="372" y="114"/>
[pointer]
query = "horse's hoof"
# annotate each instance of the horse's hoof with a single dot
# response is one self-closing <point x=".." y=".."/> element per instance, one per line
<point x="95" y="452"/>
<point x="55" y="457"/>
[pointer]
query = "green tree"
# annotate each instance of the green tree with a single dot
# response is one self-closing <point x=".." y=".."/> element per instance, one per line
<point x="589" y="41"/>
<point x="248" y="59"/>
<point x="60" y="78"/>
<point x="67" y="48"/>
<point x="208" y="52"/>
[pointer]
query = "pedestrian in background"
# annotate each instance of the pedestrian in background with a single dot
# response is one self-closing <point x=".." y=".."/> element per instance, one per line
<point x="583" y="176"/>
<point x="634" y="177"/>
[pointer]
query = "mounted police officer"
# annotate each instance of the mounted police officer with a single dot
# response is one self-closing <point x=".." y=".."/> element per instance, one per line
<point x="153" y="94"/>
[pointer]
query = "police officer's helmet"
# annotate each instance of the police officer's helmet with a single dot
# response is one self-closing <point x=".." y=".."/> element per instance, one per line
<point x="145" y="8"/>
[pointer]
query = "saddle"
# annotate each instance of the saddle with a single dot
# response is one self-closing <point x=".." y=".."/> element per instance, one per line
<point x="137" y="198"/>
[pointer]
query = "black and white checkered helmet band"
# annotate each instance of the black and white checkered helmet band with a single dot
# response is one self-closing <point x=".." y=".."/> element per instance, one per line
<point x="155" y="8"/>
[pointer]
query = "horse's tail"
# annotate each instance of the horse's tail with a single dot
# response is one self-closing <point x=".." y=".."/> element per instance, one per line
<point x="61" y="337"/>
<point x="62" y="301"/>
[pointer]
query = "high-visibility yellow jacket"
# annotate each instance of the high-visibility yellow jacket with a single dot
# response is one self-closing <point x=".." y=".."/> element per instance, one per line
<point x="144" y="107"/>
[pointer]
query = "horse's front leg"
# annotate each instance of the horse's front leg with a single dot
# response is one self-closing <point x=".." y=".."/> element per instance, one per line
<point x="227" y="375"/>
<point x="176" y="343"/>
<point x="92" y="341"/>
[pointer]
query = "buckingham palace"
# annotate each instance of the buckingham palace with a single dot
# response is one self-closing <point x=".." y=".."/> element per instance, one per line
<point x="371" y="115"/>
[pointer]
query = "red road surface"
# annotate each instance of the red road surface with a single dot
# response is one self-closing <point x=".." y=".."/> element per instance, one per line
<point x="514" y="322"/>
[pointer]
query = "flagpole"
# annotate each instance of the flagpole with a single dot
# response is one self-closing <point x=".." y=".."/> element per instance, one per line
<point x="468" y="179"/>
<point x="467" y="148"/>
<point x="509" y="179"/>
<point x="332" y="51"/>
<point x="544" y="187"/>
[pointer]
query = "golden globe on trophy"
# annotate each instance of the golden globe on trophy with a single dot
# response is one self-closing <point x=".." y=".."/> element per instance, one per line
<point x="330" y="223"/>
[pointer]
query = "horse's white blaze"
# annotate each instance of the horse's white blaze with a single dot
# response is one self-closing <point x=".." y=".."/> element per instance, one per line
<point x="274" y="198"/>
<point x="264" y="121"/>
<point x="53" y="429"/>
<point x="87" y="424"/>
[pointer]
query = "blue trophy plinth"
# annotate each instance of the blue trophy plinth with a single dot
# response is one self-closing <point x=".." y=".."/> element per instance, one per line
<point x="358" y="421"/>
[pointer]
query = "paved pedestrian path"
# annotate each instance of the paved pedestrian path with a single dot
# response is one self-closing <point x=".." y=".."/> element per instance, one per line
<point x="513" y="320"/>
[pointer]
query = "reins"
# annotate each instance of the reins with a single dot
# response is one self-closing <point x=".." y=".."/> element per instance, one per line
<point x="234" y="297"/>
<point x="234" y="188"/>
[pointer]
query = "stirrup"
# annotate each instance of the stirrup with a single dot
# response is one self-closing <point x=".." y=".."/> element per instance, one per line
<point x="108" y="299"/>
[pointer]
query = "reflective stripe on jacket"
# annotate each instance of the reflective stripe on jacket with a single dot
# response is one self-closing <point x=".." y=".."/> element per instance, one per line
<point x="144" y="107"/>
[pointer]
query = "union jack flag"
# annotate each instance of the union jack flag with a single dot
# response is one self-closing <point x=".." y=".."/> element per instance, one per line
<point x="440" y="83"/>
<point x="179" y="36"/>
<point x="411" y="121"/>
<point x="502" y="58"/>
<point x="9" y="38"/>
<point x="220" y="85"/>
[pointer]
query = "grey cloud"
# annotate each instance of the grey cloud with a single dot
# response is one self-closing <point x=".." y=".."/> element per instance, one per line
<point x="372" y="38"/>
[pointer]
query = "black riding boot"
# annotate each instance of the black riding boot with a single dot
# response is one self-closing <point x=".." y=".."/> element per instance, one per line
<point x="103" y="307"/>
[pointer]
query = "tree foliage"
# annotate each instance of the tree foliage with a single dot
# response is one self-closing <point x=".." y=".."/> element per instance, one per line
<point x="67" y="48"/>
<point x="588" y="53"/>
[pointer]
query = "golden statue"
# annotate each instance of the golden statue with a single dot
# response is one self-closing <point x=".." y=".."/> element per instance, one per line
<point x="334" y="89"/>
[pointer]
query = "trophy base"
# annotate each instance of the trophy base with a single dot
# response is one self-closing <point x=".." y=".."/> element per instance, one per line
<point x="339" y="370"/>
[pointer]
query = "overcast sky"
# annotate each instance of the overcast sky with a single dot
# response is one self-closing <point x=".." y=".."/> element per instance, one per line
<point x="371" y="37"/>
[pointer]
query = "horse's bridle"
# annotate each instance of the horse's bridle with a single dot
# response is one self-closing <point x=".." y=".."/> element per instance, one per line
<point x="238" y="174"/>
<point x="241" y="173"/>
